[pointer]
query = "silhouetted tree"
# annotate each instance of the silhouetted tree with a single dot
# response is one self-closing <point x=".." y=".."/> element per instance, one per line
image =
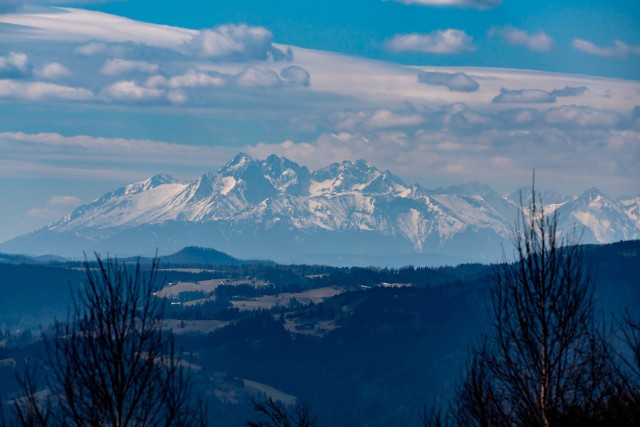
<point x="111" y="363"/>
<point x="545" y="362"/>
<point x="274" y="413"/>
<point x="432" y="416"/>
<point x="33" y="408"/>
<point x="626" y="404"/>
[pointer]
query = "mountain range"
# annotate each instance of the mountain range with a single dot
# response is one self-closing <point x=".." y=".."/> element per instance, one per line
<point x="344" y="214"/>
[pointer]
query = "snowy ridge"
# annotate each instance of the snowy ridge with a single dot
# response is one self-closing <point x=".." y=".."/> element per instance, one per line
<point x="631" y="207"/>
<point x="344" y="206"/>
<point x="345" y="196"/>
<point x="602" y="217"/>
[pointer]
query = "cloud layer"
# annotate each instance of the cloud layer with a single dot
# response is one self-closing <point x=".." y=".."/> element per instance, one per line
<point x="230" y="88"/>
<point x="75" y="152"/>
<point x="236" y="42"/>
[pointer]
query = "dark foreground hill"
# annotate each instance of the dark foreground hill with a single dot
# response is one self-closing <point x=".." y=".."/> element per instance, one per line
<point x="371" y="355"/>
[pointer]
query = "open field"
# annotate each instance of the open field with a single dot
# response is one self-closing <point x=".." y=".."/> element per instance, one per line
<point x="267" y="302"/>
<point x="173" y="290"/>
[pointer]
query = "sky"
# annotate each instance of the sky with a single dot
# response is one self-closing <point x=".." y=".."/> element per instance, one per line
<point x="98" y="94"/>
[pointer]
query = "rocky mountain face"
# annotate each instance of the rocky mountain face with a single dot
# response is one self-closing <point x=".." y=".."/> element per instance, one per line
<point x="345" y="213"/>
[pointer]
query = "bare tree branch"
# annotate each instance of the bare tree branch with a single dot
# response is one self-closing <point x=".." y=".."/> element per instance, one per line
<point x="545" y="363"/>
<point x="274" y="413"/>
<point x="112" y="363"/>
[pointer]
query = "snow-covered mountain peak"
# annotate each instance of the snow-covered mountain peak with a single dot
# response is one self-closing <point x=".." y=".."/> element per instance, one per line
<point x="286" y="176"/>
<point x="354" y="176"/>
<point x="593" y="198"/>
<point x="346" y="206"/>
<point x="153" y="182"/>
<point x="600" y="217"/>
<point x="631" y="206"/>
<point x="592" y="193"/>
<point x="238" y="163"/>
<point x="349" y="168"/>
<point x="385" y="183"/>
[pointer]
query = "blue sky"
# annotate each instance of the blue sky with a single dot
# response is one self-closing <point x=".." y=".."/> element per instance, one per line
<point x="111" y="92"/>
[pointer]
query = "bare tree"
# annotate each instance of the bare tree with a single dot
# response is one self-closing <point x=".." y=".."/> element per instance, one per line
<point x="274" y="413"/>
<point x="111" y="363"/>
<point x="544" y="362"/>
<point x="32" y="408"/>
<point x="626" y="405"/>
<point x="432" y="416"/>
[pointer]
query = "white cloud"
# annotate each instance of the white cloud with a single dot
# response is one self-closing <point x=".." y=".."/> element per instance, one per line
<point x="618" y="50"/>
<point x="382" y="119"/>
<point x="177" y="97"/>
<point x="128" y="90"/>
<point x="53" y="70"/>
<point x="582" y="116"/>
<point x="533" y="96"/>
<point x="537" y="42"/>
<point x="190" y="79"/>
<point x="439" y="41"/>
<point x="55" y="207"/>
<point x="524" y="96"/>
<point x="14" y="65"/>
<point x="296" y="76"/>
<point x="476" y="4"/>
<point x="38" y="91"/>
<point x="81" y="25"/>
<point x="564" y="157"/>
<point x="91" y="49"/>
<point x="374" y="119"/>
<point x="53" y="2"/>
<point x="569" y="91"/>
<point x="123" y="66"/>
<point x="462" y="118"/>
<point x="110" y="49"/>
<point x="235" y="42"/>
<point x="518" y="117"/>
<point x="248" y="77"/>
<point x="257" y="77"/>
<point x="455" y="82"/>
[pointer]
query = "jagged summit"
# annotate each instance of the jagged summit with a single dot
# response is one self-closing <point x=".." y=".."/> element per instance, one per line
<point x="275" y="208"/>
<point x="240" y="161"/>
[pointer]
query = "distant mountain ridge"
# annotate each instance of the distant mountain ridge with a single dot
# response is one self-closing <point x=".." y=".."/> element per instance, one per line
<point x="345" y="213"/>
